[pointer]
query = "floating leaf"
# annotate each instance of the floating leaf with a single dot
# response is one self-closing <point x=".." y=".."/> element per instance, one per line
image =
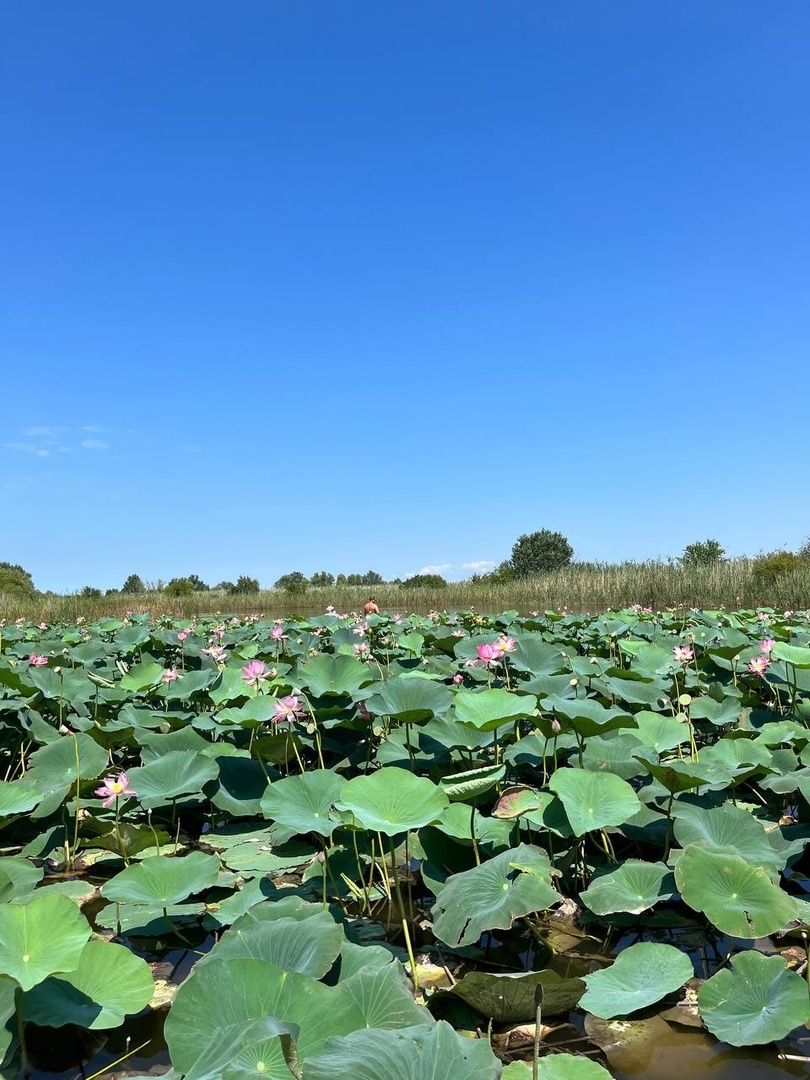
<point x="40" y="938"/>
<point x="304" y="801"/>
<point x="594" y="800"/>
<point x="634" y="887"/>
<point x="487" y="710"/>
<point x="392" y="800"/>
<point x="510" y="999"/>
<point x="180" y="772"/>
<point x="639" y="976"/>
<point x="162" y="880"/>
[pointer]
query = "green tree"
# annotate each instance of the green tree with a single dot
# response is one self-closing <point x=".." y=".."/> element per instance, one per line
<point x="341" y="580"/>
<point x="702" y="553"/>
<point x="245" y="584"/>
<point x="371" y="577"/>
<point x="179" y="586"/>
<point x="197" y="584"/>
<point x="540" y="552"/>
<point x="425" y="581"/>
<point x="90" y="592"/>
<point x="15" y="581"/>
<point x="226" y="587"/>
<point x="323" y="577"/>
<point x="354" y="579"/>
<point x="133" y="584"/>
<point x="294" y="583"/>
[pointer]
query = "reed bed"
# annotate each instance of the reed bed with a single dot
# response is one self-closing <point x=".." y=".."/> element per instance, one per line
<point x="732" y="585"/>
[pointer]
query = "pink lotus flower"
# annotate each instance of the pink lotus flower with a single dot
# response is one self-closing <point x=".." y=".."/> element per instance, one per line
<point x="759" y="665"/>
<point x="169" y="675"/>
<point x="115" y="789"/>
<point x="458" y="678"/>
<point x="254" y="672"/>
<point x="507" y="644"/>
<point x="288" y="708"/>
<point x="361" y="649"/>
<point x="217" y="654"/>
<point x="42" y="626"/>
<point x="767" y="645"/>
<point x="683" y="653"/>
<point x="277" y="633"/>
<point x="37" y="661"/>
<point x="182" y="635"/>
<point x="489" y="653"/>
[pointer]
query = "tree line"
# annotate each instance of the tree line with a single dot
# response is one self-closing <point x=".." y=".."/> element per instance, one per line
<point x="540" y="552"/>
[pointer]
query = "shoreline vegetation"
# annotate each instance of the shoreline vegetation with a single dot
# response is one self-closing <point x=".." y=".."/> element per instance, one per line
<point x="732" y="584"/>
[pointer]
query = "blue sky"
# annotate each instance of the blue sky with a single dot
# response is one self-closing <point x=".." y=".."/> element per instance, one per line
<point x="366" y="285"/>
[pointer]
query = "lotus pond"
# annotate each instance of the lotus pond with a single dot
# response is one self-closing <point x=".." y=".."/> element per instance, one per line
<point x="454" y="845"/>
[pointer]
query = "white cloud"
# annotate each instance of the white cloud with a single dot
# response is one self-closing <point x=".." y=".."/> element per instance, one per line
<point x="41" y="432"/>
<point x="480" y="567"/>
<point x="438" y="568"/>
<point x="27" y="448"/>
<point x="93" y="444"/>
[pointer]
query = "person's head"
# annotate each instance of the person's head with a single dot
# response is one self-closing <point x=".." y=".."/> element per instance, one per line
<point x="371" y="600"/>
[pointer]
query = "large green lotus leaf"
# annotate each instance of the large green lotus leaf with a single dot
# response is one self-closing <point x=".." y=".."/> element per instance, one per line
<point x="190" y="682"/>
<point x="461" y="786"/>
<point x="757" y="1001"/>
<point x="392" y="800"/>
<point x="631" y="689"/>
<point x="222" y="913"/>
<point x="728" y="829"/>
<point x="493" y="895"/>
<point x="253" y="858"/>
<point x="737" y="898"/>
<point x="410" y="700"/>
<point x="797" y="655"/>
<point x="416" y="1053"/>
<point x="40" y="938"/>
<point x="308" y="946"/>
<point x="62" y="762"/>
<point x="325" y="674"/>
<point x="487" y="710"/>
<point x="739" y="756"/>
<point x="18" y="877"/>
<point x="594" y="800"/>
<point x="69" y="686"/>
<point x="512" y="999"/>
<point x="163" y="879"/>
<point x="180" y="772"/>
<point x="109" y="983"/>
<point x="682" y="775"/>
<point x="225" y="994"/>
<point x="8" y="1009"/>
<point x="304" y="801"/>
<point x="18" y="796"/>
<point x="255" y="711"/>
<point x="249" y="1049"/>
<point x="142" y="677"/>
<point x="718" y="713"/>
<point x="634" y="887"/>
<point x="557" y="1067"/>
<point x="638" y="977"/>
<point x="659" y="731"/>
<point x="148" y="920"/>
<point x="587" y="716"/>
<point x="383" y="997"/>
<point x="537" y="656"/>
<point x="154" y="744"/>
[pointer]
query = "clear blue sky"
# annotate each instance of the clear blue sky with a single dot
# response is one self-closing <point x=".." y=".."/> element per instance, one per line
<point x="307" y="284"/>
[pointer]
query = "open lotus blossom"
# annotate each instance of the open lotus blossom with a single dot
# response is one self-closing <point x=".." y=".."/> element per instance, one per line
<point x="277" y="633"/>
<point x="759" y="665"/>
<point x="115" y="789"/>
<point x="683" y="653"/>
<point x="506" y="644"/>
<point x="767" y="645"/>
<point x="37" y="661"/>
<point x="288" y="708"/>
<point x="42" y="626"/>
<point x="361" y="648"/>
<point x="489" y="652"/>
<point x="169" y="675"/>
<point x="217" y="654"/>
<point x="254" y="672"/>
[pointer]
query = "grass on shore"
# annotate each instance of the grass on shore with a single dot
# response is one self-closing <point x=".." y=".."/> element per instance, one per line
<point x="732" y="585"/>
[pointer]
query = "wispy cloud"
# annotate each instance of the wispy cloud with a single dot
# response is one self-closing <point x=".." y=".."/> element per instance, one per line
<point x="483" y="566"/>
<point x="93" y="444"/>
<point x="27" y="448"/>
<point x="456" y="570"/>
<point x="42" y="432"/>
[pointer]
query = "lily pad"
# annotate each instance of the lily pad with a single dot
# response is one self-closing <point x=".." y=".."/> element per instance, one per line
<point x="594" y="800"/>
<point x="392" y="800"/>
<point x="638" y="977"/>
<point x="40" y="938"/>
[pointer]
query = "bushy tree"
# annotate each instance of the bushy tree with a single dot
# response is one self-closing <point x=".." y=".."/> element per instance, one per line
<point x="323" y="577"/>
<point x="540" y="553"/>
<point x="197" y="584"/>
<point x="804" y="550"/>
<point x="371" y="577"/>
<point x="90" y="592"/>
<point x="341" y="580"/>
<point x="226" y="587"/>
<point x="354" y="579"/>
<point x="179" y="586"/>
<point x="425" y="581"/>
<point x="702" y="553"/>
<point x="294" y="583"/>
<point x="133" y="584"/>
<point x="245" y="584"/>
<point x="499" y="576"/>
<point x="768" y="569"/>
<point x="15" y="581"/>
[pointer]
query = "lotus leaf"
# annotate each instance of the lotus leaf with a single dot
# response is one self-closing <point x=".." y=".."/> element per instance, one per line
<point x="487" y="710"/>
<point x="304" y="802"/>
<point x="634" y="887"/>
<point x="593" y="800"/>
<point x="737" y="898"/>
<point x="557" y="1067"/>
<point x="392" y="800"/>
<point x="587" y="716"/>
<point x="180" y="772"/>
<point x="40" y="938"/>
<point x="416" y="1053"/>
<point x="491" y="896"/>
<point x="410" y="700"/>
<point x="308" y="946"/>
<point x="639" y="976"/>
<point x="512" y="998"/>
<point x="326" y="674"/>
<point x="728" y="829"/>
<point x="162" y="880"/>
<point x="108" y="984"/>
<point x="459" y="787"/>
<point x="757" y="1001"/>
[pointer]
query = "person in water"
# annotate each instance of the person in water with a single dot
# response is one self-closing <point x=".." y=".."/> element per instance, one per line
<point x="370" y="607"/>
